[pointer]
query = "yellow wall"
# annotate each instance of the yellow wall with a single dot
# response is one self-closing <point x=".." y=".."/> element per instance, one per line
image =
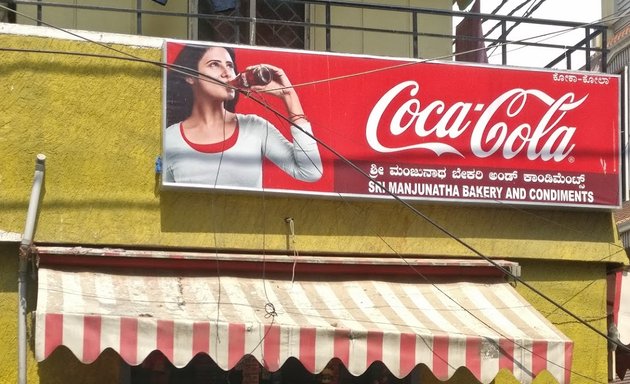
<point x="98" y="122"/>
<point x="62" y="366"/>
<point x="581" y="289"/>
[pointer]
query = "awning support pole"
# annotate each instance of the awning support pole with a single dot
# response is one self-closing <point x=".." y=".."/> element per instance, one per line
<point x="24" y="255"/>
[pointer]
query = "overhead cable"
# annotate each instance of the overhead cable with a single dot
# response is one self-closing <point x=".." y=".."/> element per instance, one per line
<point x="356" y="168"/>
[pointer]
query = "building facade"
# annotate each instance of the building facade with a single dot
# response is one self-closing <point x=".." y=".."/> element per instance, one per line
<point x="104" y="216"/>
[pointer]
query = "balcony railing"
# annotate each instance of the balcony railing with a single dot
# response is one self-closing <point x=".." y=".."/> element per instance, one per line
<point x="291" y="23"/>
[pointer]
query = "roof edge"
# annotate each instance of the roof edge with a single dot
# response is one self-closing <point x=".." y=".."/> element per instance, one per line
<point x="81" y="35"/>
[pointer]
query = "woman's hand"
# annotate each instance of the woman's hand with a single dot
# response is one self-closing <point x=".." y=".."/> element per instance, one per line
<point x="280" y="86"/>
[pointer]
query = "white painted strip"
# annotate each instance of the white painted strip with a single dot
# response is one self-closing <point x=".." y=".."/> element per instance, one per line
<point x="337" y="299"/>
<point x="373" y="317"/>
<point x="391" y="352"/>
<point x="183" y="342"/>
<point x="101" y="37"/>
<point x="167" y="290"/>
<point x="435" y="316"/>
<point x="73" y="301"/>
<point x="533" y="324"/>
<point x="307" y="308"/>
<point x="110" y="332"/>
<point x="424" y="337"/>
<point x="73" y="333"/>
<point x="133" y="299"/>
<point x="324" y="348"/>
<point x="496" y="323"/>
<point x="40" y="332"/>
<point x="340" y="309"/>
<point x="44" y="280"/>
<point x="105" y="294"/>
<point x="220" y="344"/>
<point x="456" y="353"/>
<point x="555" y="355"/>
<point x="523" y="361"/>
<point x="276" y="294"/>
<point x="147" y="337"/>
<point x="489" y="359"/>
<point x="249" y="309"/>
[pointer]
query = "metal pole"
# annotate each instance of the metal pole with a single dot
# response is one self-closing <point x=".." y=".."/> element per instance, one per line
<point x="604" y="51"/>
<point x="193" y="21"/>
<point x="587" y="51"/>
<point x="414" y="23"/>
<point x="503" y="39"/>
<point x="252" y="23"/>
<point x="39" y="12"/>
<point x="625" y="124"/>
<point x="24" y="254"/>
<point x="138" y="17"/>
<point x="327" y="27"/>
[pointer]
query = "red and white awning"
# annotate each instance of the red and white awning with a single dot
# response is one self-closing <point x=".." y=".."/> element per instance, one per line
<point x="484" y="326"/>
<point x="619" y="308"/>
<point x="619" y="282"/>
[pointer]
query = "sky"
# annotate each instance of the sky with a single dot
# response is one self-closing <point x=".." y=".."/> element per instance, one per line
<point x="576" y="10"/>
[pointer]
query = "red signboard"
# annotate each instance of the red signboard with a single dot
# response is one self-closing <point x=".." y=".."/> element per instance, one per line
<point x="371" y="127"/>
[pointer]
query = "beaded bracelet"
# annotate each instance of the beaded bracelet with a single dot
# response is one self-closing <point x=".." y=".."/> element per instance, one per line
<point x="293" y="117"/>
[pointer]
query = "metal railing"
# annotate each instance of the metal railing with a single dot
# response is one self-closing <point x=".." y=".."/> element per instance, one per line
<point x="246" y="24"/>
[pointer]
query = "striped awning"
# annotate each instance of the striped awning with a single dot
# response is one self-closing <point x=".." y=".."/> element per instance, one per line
<point x="484" y="325"/>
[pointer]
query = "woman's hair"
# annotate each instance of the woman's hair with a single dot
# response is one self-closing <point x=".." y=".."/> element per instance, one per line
<point x="179" y="95"/>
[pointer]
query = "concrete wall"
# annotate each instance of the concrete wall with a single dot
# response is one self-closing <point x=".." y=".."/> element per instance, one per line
<point x="385" y="44"/>
<point x="344" y="40"/>
<point x="109" y="21"/>
<point x="98" y="122"/>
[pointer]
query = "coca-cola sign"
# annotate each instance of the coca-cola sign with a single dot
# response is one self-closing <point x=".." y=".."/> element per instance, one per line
<point x="543" y="139"/>
<point x="376" y="127"/>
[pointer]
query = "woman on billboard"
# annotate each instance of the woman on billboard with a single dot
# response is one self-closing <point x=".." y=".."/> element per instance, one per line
<point x="207" y="143"/>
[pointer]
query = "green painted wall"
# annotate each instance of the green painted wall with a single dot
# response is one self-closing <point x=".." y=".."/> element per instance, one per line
<point x="98" y="122"/>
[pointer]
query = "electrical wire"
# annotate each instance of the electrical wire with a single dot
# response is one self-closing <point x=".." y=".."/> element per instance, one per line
<point x="445" y="231"/>
<point x="170" y="66"/>
<point x="417" y="212"/>
<point x="505" y="271"/>
<point x="280" y="116"/>
<point x="420" y="274"/>
<point x="547" y="35"/>
<point x="498" y="7"/>
<point x="533" y="7"/>
<point x="510" y="13"/>
<point x="438" y="288"/>
<point x="188" y="71"/>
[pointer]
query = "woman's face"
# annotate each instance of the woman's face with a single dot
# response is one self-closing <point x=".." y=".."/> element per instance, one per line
<point x="218" y="64"/>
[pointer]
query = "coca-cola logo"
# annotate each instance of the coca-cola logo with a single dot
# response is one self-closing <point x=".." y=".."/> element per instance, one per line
<point x="546" y="138"/>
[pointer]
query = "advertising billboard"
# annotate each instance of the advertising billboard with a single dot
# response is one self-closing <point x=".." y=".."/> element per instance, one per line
<point x="372" y="127"/>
